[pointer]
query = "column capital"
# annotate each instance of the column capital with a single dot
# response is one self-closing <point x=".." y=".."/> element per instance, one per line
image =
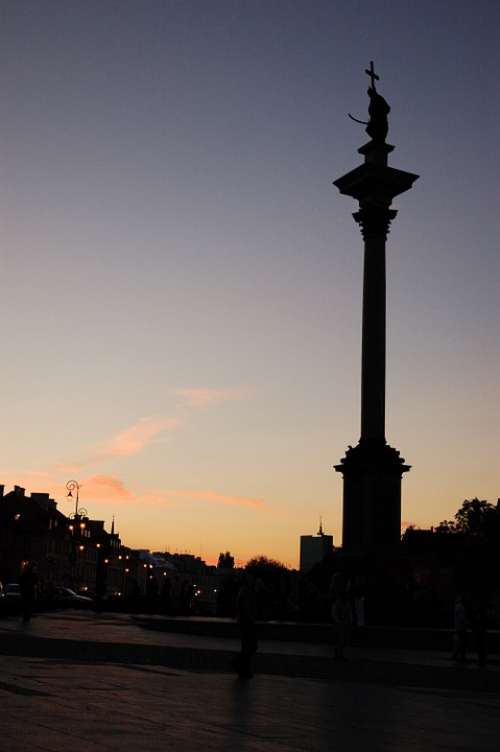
<point x="371" y="455"/>
<point x="374" y="220"/>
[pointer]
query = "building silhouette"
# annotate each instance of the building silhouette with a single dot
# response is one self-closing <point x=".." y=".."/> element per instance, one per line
<point x="75" y="552"/>
<point x="314" y="548"/>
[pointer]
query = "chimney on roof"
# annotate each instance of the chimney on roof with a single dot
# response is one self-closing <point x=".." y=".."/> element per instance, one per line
<point x="18" y="491"/>
<point x="43" y="500"/>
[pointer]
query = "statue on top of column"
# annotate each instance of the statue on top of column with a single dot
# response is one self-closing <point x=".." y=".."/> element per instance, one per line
<point x="378" y="110"/>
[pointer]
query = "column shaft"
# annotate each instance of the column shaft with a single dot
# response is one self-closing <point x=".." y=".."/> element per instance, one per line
<point x="373" y="342"/>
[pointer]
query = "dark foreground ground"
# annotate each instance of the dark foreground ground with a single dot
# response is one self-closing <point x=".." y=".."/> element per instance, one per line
<point x="56" y="702"/>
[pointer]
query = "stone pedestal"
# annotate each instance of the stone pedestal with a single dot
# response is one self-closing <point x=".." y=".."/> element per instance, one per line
<point x="372" y="473"/>
<point x="373" y="470"/>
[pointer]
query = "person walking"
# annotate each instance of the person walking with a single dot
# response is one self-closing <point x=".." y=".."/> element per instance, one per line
<point x="28" y="583"/>
<point x="460" y="627"/>
<point x="341" y="612"/>
<point x="478" y="619"/>
<point x="246" y="608"/>
<point x="342" y="618"/>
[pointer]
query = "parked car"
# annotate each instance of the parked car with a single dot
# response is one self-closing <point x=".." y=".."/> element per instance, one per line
<point x="68" y="598"/>
<point x="12" y="591"/>
<point x="10" y="598"/>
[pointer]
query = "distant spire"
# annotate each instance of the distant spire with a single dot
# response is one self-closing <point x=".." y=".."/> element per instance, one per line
<point x="320" y="531"/>
<point x="113" y="526"/>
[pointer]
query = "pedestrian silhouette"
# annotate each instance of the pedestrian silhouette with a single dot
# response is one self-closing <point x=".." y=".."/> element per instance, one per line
<point x="246" y="606"/>
<point x="478" y="619"/>
<point x="28" y="583"/>
<point x="460" y="626"/>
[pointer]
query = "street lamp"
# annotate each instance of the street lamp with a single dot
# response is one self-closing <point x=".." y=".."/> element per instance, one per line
<point x="73" y="485"/>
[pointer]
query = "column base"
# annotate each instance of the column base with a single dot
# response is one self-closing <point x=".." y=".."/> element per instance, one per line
<point x="372" y="473"/>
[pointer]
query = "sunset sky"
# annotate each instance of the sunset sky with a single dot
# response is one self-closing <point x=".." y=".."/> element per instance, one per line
<point x="181" y="283"/>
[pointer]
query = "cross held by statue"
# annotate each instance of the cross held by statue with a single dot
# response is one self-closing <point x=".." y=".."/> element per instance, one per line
<point x="373" y="76"/>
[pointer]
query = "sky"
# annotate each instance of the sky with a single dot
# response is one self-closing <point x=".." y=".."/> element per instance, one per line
<point x="181" y="283"/>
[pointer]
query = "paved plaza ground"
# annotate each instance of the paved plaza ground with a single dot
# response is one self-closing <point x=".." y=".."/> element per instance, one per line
<point x="53" y="699"/>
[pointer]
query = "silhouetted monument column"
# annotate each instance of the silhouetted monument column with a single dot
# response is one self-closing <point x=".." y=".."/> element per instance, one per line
<point x="374" y="222"/>
<point x="372" y="470"/>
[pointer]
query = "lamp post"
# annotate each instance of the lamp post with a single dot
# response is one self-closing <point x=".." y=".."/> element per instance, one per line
<point x="77" y="529"/>
<point x="73" y="485"/>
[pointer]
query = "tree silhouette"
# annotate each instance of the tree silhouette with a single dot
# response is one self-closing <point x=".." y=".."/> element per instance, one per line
<point x="272" y="578"/>
<point x="266" y="569"/>
<point x="476" y="517"/>
<point x="226" y="561"/>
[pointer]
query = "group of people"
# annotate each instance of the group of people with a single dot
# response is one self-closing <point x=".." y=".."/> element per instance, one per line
<point x="470" y="617"/>
<point x="347" y="609"/>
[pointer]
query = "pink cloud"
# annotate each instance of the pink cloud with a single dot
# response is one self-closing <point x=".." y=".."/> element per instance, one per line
<point x="105" y="487"/>
<point x="96" y="488"/>
<point x="137" y="437"/>
<point x="108" y="488"/>
<point x="202" y="397"/>
<point x="217" y="498"/>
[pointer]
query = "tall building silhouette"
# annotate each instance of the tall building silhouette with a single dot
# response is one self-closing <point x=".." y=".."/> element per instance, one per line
<point x="314" y="548"/>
